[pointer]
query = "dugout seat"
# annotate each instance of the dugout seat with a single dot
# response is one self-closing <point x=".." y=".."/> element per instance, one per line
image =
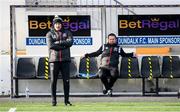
<point x="171" y="67"/>
<point x="43" y="68"/>
<point x="150" y="67"/>
<point x="93" y="68"/>
<point x="25" y="68"/>
<point x="129" y="67"/>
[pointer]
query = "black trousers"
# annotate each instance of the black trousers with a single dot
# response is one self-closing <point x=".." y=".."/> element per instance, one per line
<point x="55" y="68"/>
<point x="111" y="74"/>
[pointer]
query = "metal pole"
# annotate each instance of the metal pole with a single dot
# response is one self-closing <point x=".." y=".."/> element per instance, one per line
<point x="95" y="6"/>
<point x="11" y="49"/>
<point x="14" y="52"/>
<point x="125" y="7"/>
<point x="103" y="24"/>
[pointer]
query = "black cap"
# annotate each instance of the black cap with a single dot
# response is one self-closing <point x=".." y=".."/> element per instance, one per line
<point x="57" y="20"/>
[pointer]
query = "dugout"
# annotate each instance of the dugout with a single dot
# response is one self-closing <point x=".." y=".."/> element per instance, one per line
<point x="103" y="20"/>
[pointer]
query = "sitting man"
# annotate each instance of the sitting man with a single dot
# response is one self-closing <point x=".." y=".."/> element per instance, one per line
<point x="109" y="62"/>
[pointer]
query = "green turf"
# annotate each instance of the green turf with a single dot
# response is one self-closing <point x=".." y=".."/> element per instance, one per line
<point x="93" y="107"/>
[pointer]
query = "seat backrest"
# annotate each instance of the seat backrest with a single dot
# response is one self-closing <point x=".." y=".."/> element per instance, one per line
<point x="43" y="68"/>
<point x="88" y="66"/>
<point x="171" y="67"/>
<point x="26" y="68"/>
<point x="150" y="67"/>
<point x="129" y="67"/>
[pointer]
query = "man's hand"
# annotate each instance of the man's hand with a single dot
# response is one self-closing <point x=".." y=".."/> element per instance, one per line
<point x="134" y="55"/>
<point x="84" y="56"/>
<point x="57" y="42"/>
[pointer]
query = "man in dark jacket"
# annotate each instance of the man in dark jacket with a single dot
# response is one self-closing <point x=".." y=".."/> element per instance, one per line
<point x="109" y="62"/>
<point x="59" y="43"/>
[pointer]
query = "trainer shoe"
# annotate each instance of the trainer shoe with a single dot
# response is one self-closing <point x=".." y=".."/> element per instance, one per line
<point x="104" y="91"/>
<point x="109" y="92"/>
<point x="68" y="103"/>
<point x="54" y="103"/>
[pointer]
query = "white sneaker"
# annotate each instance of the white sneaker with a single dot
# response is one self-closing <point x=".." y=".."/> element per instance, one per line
<point x="109" y="92"/>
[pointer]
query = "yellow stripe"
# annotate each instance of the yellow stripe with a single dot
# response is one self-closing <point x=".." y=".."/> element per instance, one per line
<point x="129" y="75"/>
<point x="150" y="66"/>
<point x="87" y="66"/>
<point x="150" y="63"/>
<point x="46" y="71"/>
<point x="46" y="63"/>
<point x="170" y="57"/>
<point x="46" y="74"/>
<point x="150" y="70"/>
<point x="46" y="77"/>
<point x="150" y="77"/>
<point x="129" y="66"/>
<point x="46" y="59"/>
<point x="129" y="59"/>
<point x="149" y="58"/>
<point x="150" y="74"/>
<point x="46" y="68"/>
<point x="129" y="71"/>
<point x="87" y="59"/>
<point x="171" y="76"/>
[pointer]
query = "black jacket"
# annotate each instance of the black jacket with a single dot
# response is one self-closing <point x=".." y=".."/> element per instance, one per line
<point x="110" y="55"/>
<point x="59" y="44"/>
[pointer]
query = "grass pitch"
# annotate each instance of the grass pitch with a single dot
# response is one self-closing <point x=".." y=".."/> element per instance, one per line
<point x="92" y="107"/>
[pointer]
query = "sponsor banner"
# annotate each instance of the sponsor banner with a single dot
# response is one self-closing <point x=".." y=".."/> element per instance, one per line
<point x="79" y="25"/>
<point x="134" y="25"/>
<point x="36" y="41"/>
<point x="161" y="40"/>
<point x="82" y="41"/>
<point x="30" y="41"/>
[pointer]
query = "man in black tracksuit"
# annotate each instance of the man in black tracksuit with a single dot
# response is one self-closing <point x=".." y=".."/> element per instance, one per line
<point x="109" y="62"/>
<point x="59" y="43"/>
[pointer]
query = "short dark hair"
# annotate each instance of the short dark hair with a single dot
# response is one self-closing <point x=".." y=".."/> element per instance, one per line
<point x="111" y="34"/>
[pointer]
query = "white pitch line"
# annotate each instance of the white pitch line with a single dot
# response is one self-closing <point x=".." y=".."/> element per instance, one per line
<point x="12" y="110"/>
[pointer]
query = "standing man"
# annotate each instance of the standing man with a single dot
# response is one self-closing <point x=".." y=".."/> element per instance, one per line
<point x="109" y="62"/>
<point x="59" y="42"/>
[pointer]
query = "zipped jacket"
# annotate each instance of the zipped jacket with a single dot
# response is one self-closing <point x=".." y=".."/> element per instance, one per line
<point x="59" y="43"/>
<point x="109" y="55"/>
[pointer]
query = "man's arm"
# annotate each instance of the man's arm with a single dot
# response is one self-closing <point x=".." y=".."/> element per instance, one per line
<point x="53" y="45"/>
<point x="123" y="54"/>
<point x="94" y="54"/>
<point x="68" y="42"/>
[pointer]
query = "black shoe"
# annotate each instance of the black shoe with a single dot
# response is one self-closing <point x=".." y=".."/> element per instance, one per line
<point x="104" y="91"/>
<point x="54" y="103"/>
<point x="68" y="103"/>
<point x="109" y="92"/>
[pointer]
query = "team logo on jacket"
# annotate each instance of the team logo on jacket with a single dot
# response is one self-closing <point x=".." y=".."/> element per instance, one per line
<point x="106" y="47"/>
<point x="115" y="49"/>
<point x="54" y="36"/>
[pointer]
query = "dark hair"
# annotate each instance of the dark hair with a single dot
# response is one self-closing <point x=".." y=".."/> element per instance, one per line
<point x="111" y="34"/>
